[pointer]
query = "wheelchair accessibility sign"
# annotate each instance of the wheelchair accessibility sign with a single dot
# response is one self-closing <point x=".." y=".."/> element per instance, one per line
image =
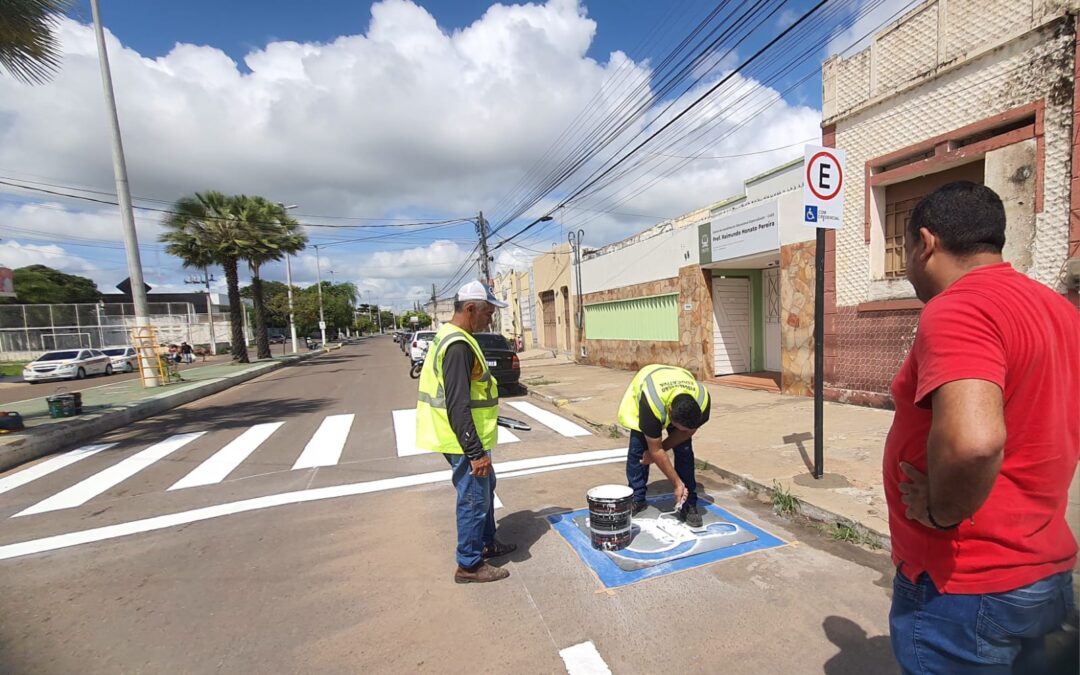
<point x="662" y="544"/>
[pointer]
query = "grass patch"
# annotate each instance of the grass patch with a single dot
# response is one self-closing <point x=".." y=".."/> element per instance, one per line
<point x="847" y="533"/>
<point x="784" y="503"/>
<point x="12" y="368"/>
<point x="613" y="431"/>
<point x="540" y="382"/>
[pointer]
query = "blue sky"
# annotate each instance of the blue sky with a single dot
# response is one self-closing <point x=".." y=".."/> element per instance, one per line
<point x="404" y="121"/>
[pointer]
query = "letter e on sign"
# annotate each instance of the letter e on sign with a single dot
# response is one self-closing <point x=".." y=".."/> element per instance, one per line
<point x="823" y="187"/>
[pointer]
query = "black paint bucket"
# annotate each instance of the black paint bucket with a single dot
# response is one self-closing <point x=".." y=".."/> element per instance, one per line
<point x="610" y="508"/>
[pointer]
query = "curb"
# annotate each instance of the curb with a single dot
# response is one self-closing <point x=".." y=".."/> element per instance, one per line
<point x="16" y="450"/>
<point x="807" y="510"/>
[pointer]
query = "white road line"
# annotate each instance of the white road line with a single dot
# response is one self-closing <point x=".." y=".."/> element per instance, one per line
<point x="498" y="502"/>
<point x="405" y="434"/>
<point x="583" y="659"/>
<point x="549" y="419"/>
<point x="84" y="491"/>
<point x="221" y="463"/>
<point x="324" y="448"/>
<point x="48" y="466"/>
<point x="568" y="461"/>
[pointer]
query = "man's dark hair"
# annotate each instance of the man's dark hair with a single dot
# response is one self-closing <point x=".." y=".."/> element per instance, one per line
<point x="968" y="218"/>
<point x="685" y="411"/>
<point x="459" y="305"/>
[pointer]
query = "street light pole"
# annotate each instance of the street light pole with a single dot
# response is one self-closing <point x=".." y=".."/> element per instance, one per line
<point x="127" y="216"/>
<point x="318" y="277"/>
<point x="288" y="282"/>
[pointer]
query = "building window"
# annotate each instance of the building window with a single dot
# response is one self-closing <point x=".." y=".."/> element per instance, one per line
<point x="651" y="319"/>
<point x="897" y="215"/>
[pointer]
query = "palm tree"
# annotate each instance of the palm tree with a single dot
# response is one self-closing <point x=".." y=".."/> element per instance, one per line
<point x="273" y="235"/>
<point x="204" y="229"/>
<point x="28" y="48"/>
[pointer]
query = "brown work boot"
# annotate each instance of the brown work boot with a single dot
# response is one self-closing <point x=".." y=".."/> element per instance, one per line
<point x="481" y="574"/>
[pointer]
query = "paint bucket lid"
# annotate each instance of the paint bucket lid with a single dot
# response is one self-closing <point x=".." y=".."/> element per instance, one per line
<point x="610" y="492"/>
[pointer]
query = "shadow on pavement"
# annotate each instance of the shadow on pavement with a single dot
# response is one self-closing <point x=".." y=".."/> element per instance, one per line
<point x="858" y="653"/>
<point x="524" y="528"/>
<point x="235" y="416"/>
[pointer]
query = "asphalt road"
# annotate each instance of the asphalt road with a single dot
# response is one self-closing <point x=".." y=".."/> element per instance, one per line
<point x="106" y="569"/>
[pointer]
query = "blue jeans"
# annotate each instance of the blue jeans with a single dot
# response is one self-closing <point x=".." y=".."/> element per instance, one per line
<point x="637" y="475"/>
<point x="999" y="633"/>
<point x="475" y="511"/>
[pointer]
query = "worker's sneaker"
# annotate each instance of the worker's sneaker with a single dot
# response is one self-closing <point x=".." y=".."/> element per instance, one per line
<point x="497" y="549"/>
<point x="691" y="515"/>
<point x="638" y="507"/>
<point x="481" y="574"/>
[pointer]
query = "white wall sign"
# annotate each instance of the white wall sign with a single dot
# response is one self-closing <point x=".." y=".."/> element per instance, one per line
<point x="745" y="232"/>
<point x="823" y="187"/>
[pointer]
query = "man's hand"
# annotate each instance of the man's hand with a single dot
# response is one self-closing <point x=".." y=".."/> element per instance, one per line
<point x="916" y="495"/>
<point x="481" y="468"/>
<point x="681" y="493"/>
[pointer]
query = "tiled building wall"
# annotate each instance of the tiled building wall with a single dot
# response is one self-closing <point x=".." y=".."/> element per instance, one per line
<point x="870" y="348"/>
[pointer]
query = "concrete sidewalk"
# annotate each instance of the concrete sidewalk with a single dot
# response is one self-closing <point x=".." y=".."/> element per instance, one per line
<point x="113" y="406"/>
<point x="755" y="439"/>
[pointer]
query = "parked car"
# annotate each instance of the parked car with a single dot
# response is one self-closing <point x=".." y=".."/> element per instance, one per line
<point x="501" y="359"/>
<point x="406" y="340"/>
<point x="124" y="359"/>
<point x="276" y="338"/>
<point x="67" y="364"/>
<point x="419" y="343"/>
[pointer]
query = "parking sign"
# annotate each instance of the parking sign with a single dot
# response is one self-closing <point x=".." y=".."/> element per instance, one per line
<point x="823" y="187"/>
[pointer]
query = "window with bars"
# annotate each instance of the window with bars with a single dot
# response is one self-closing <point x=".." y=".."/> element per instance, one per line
<point x="897" y="215"/>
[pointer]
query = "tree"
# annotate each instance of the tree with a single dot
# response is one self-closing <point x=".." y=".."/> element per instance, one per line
<point x="406" y="321"/>
<point x="203" y="230"/>
<point x="276" y="295"/>
<point x="41" y="285"/>
<point x="270" y="235"/>
<point x="29" y="51"/>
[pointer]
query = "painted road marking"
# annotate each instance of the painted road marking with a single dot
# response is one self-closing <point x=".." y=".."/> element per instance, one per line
<point x="222" y="462"/>
<point x="324" y="448"/>
<point x="55" y="464"/>
<point x="84" y="491"/>
<point x="504" y="469"/>
<point x="405" y="434"/>
<point x="498" y="502"/>
<point x="551" y="420"/>
<point x="583" y="659"/>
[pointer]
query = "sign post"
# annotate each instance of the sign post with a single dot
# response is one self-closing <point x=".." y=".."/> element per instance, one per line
<point x="823" y="209"/>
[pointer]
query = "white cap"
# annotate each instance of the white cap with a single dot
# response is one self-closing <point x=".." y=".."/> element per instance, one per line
<point x="475" y="290"/>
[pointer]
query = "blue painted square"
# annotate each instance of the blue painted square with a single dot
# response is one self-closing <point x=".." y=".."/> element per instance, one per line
<point x="811" y="213"/>
<point x="612" y="576"/>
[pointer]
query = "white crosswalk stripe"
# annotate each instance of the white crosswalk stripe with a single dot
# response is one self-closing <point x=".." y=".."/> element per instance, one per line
<point x="84" y="491"/>
<point x="50" y="465"/>
<point x="558" y="424"/>
<point x="224" y="461"/>
<point x="324" y="448"/>
<point x="405" y="434"/>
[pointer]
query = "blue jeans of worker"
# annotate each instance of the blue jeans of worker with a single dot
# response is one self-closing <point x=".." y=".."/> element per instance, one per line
<point x="995" y="633"/>
<point x="637" y="475"/>
<point x="475" y="511"/>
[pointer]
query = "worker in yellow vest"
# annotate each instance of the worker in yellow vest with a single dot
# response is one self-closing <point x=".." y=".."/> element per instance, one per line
<point x="457" y="412"/>
<point x="663" y="398"/>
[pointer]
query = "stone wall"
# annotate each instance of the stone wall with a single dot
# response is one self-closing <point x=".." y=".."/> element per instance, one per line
<point x="797" y="318"/>
<point x="693" y="350"/>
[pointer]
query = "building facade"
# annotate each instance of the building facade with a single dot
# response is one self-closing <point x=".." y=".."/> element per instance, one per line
<point x="722" y="290"/>
<point x="979" y="90"/>
<point x="556" y="319"/>
<point x="515" y="321"/>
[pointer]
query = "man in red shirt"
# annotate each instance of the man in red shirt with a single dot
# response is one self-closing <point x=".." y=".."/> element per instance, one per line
<point x="982" y="449"/>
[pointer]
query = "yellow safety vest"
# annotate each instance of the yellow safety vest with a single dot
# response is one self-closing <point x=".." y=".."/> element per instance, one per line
<point x="433" y="430"/>
<point x="660" y="384"/>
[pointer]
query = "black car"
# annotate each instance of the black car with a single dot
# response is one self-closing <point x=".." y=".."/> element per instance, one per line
<point x="501" y="359"/>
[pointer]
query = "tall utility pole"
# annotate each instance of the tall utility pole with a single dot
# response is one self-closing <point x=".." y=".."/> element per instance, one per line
<point x="481" y="231"/>
<point x="434" y="308"/>
<point x="288" y="283"/>
<point x="207" y="278"/>
<point x="123" y="198"/>
<point x="318" y="278"/>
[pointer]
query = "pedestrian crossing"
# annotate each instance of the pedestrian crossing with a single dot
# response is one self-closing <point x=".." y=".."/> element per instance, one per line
<point x="324" y="449"/>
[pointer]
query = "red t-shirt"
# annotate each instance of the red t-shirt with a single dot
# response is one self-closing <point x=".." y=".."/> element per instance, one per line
<point x="998" y="325"/>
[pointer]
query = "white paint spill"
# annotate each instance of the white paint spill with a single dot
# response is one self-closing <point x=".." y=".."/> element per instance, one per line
<point x="504" y="470"/>
<point x="84" y="491"/>
<point x="405" y="434"/>
<point x="224" y="461"/>
<point x="50" y="465"/>
<point x="558" y="424"/>
<point x="324" y="448"/>
<point x="583" y="659"/>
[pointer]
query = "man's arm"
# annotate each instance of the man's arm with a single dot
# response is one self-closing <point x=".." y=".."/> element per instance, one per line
<point x="963" y="452"/>
<point x="457" y="366"/>
<point x="653" y="430"/>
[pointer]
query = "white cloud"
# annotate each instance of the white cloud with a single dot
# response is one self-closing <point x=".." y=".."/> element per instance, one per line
<point x="406" y="118"/>
<point x="15" y="254"/>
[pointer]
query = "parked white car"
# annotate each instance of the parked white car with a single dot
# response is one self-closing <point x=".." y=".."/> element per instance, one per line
<point x="420" y="343"/>
<point x="67" y="364"/>
<point x="124" y="359"/>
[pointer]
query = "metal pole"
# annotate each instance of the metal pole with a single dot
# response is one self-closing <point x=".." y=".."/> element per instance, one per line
<point x="210" y="312"/>
<point x="123" y="195"/>
<point x="819" y="355"/>
<point x="292" y="317"/>
<point x="318" y="277"/>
